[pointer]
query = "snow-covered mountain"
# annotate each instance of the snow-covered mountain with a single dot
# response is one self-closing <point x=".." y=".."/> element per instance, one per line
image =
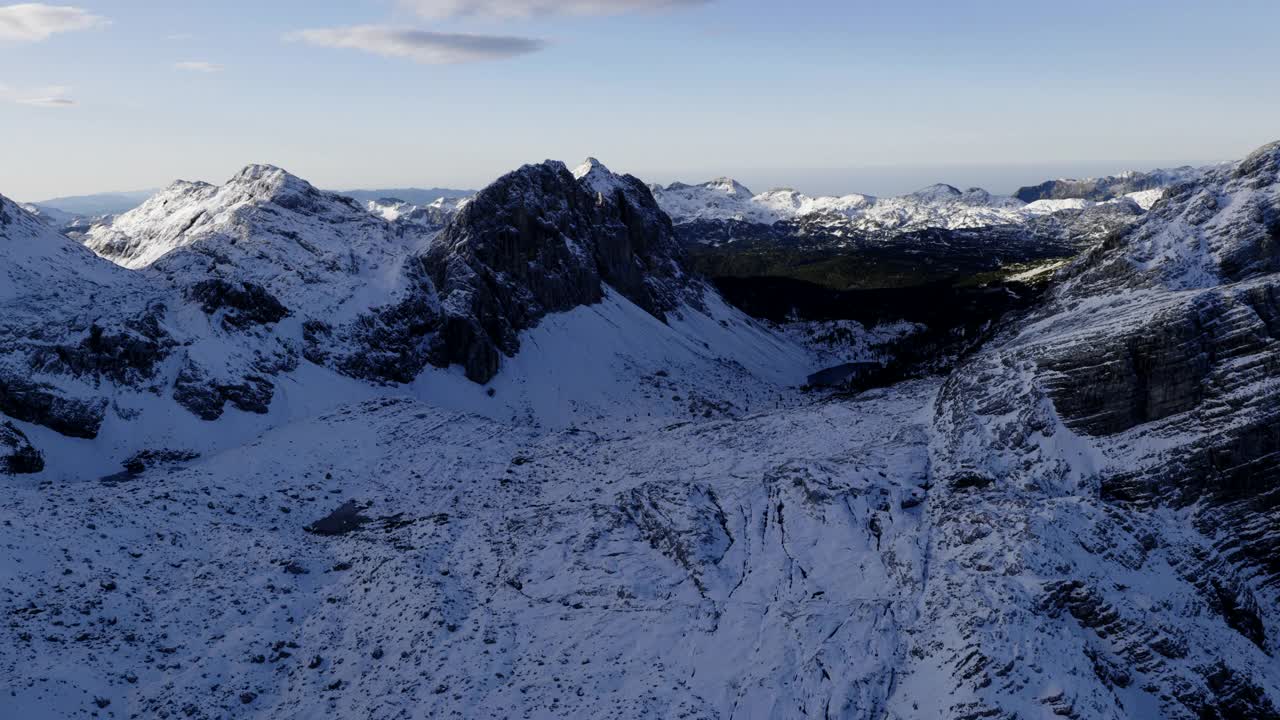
<point x="313" y="250"/>
<point x="530" y="466"/>
<point x="723" y="210"/>
<point x="267" y="298"/>
<point x="412" y="218"/>
<point x="40" y="261"/>
<point x="50" y="216"/>
<point x="412" y="196"/>
<point x="1107" y="478"/>
<point x="1110" y="187"/>
<point x="936" y="206"/>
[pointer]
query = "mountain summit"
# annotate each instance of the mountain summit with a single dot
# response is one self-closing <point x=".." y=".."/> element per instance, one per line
<point x="541" y="240"/>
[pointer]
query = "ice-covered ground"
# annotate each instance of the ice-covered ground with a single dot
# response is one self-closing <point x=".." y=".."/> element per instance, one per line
<point x="758" y="566"/>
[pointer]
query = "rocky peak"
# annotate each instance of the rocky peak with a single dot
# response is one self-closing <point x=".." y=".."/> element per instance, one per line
<point x="597" y="178"/>
<point x="981" y="197"/>
<point x="1111" y="186"/>
<point x="729" y="186"/>
<point x="449" y="203"/>
<point x="939" y="192"/>
<point x="1223" y="227"/>
<point x="389" y="209"/>
<point x="254" y="202"/>
<point x="784" y="198"/>
<point x="1262" y="166"/>
<point x="271" y="184"/>
<point x="588" y="166"/>
<point x="540" y="240"/>
<point x="267" y="176"/>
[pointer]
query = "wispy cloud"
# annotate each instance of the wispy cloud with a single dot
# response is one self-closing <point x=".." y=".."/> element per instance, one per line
<point x="433" y="48"/>
<point x="531" y="8"/>
<point x="47" y="102"/>
<point x="47" y="97"/>
<point x="31" y="22"/>
<point x="198" y="66"/>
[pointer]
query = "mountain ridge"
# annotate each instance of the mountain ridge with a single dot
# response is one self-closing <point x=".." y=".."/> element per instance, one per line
<point x="529" y="464"/>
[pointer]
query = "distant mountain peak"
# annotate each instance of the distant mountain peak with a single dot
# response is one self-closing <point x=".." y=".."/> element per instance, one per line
<point x="271" y="182"/>
<point x="1263" y="163"/>
<point x="260" y="205"/>
<point x="548" y="239"/>
<point x="588" y="166"/>
<point x="1111" y="186"/>
<point x="729" y="186"/>
<point x="938" y="192"/>
<point x="593" y="174"/>
<point x="254" y="171"/>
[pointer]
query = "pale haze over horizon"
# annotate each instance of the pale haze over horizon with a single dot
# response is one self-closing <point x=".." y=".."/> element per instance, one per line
<point x="826" y="96"/>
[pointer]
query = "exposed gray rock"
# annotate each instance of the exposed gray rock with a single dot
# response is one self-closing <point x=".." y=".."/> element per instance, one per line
<point x="205" y="397"/>
<point x="1109" y="187"/>
<point x="1134" y="414"/>
<point x="143" y="460"/>
<point x="17" y="455"/>
<point x="538" y="241"/>
<point x="244" y="304"/>
<point x="347" y="518"/>
<point x="392" y="344"/>
<point x="46" y="405"/>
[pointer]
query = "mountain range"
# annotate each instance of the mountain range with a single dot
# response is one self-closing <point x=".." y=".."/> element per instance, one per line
<point x="272" y="451"/>
<point x="936" y="206"/>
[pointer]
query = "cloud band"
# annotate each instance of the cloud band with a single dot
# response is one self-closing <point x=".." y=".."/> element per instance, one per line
<point x="432" y="48"/>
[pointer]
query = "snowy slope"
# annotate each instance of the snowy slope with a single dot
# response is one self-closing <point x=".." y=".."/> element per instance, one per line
<point x="584" y="573"/>
<point x="420" y="219"/>
<point x="247" y="306"/>
<point x="1107" y="480"/>
<point x="312" y="249"/>
<point x="38" y="260"/>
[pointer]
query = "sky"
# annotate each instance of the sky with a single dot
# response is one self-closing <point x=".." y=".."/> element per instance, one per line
<point x="827" y="96"/>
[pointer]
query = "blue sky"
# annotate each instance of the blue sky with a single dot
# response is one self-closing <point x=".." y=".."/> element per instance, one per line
<point x="824" y="95"/>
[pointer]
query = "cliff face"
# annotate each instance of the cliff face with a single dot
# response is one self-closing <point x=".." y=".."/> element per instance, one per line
<point x="540" y="240"/>
<point x="1136" y="415"/>
<point x="1106" y="188"/>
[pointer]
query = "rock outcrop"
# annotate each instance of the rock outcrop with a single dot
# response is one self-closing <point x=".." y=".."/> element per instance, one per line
<point x="539" y="241"/>
<point x="17" y="455"/>
<point x="278" y="271"/>
<point x="1109" y="187"/>
<point x="1134" y="415"/>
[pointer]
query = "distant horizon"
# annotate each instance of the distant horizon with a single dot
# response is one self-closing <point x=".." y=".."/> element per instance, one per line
<point x="881" y="181"/>
<point x="826" y="96"/>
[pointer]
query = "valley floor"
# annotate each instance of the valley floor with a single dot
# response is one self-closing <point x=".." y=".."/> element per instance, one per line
<point x="759" y="567"/>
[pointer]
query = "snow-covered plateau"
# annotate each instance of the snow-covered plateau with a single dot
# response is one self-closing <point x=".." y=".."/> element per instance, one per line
<point x="272" y="452"/>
